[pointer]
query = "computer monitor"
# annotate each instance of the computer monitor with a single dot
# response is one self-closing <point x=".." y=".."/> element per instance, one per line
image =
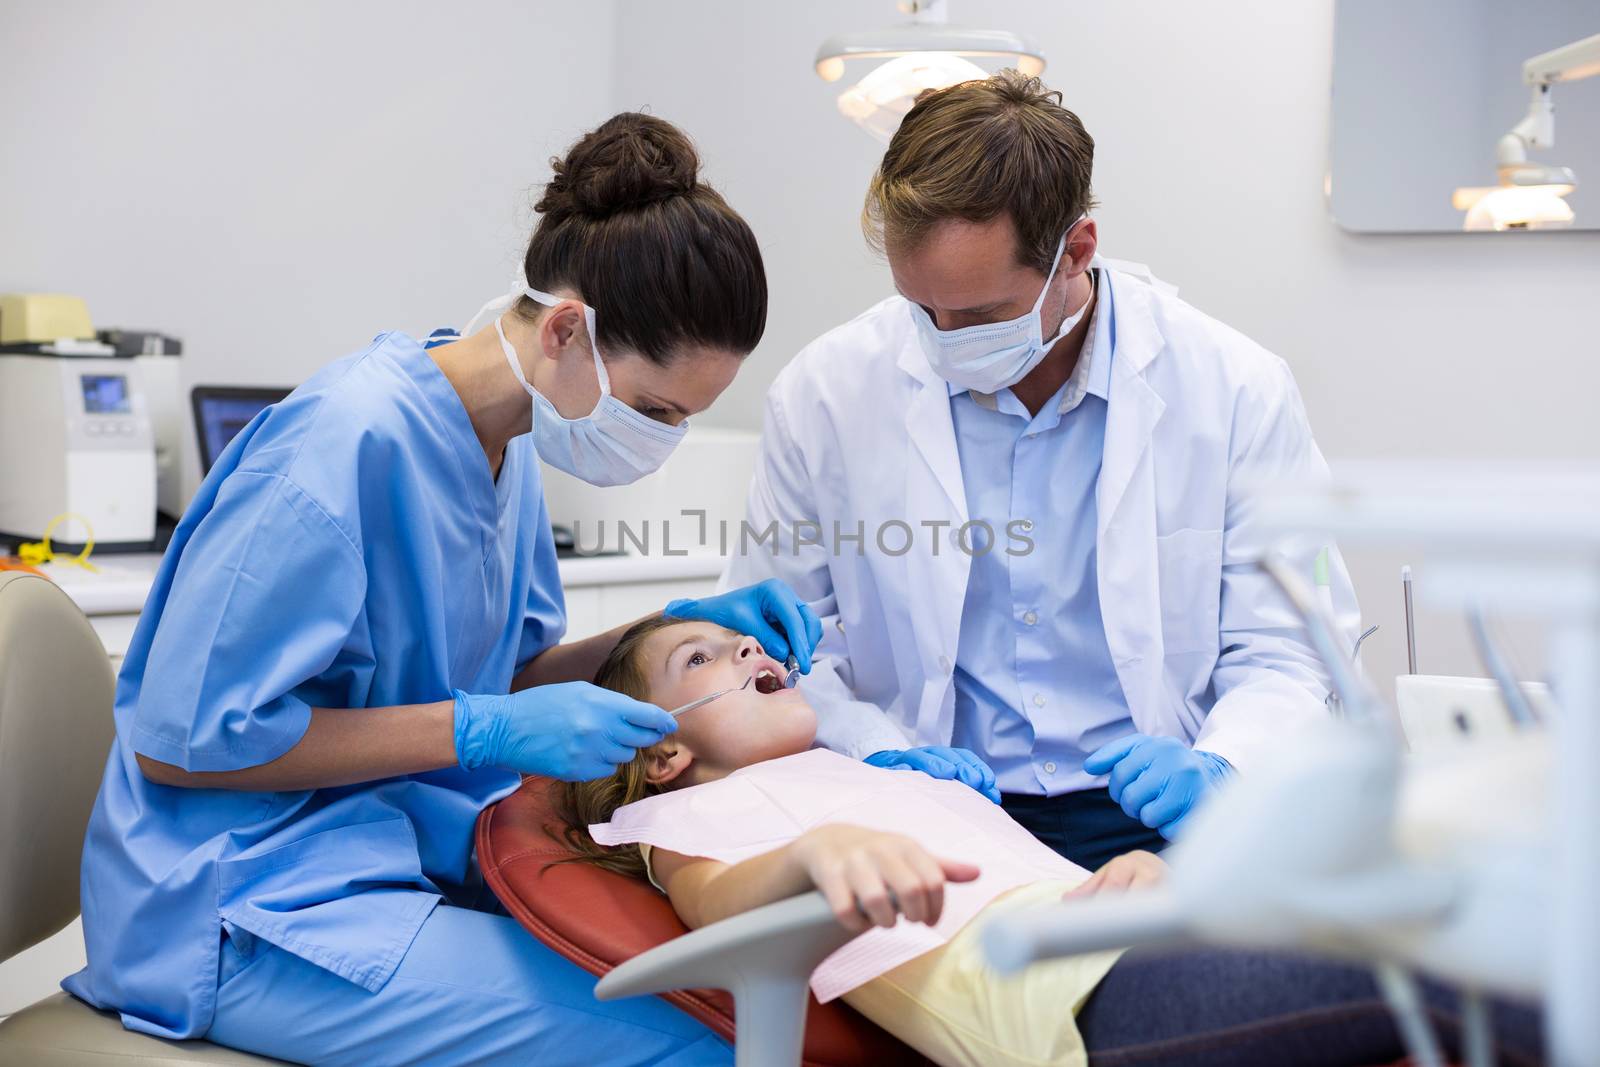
<point x="221" y="411"/>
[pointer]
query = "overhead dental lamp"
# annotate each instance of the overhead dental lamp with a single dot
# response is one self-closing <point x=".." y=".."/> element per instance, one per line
<point x="923" y="53"/>
<point x="1529" y="196"/>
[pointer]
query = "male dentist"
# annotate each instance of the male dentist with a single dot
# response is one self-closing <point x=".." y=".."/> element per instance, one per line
<point x="1015" y="491"/>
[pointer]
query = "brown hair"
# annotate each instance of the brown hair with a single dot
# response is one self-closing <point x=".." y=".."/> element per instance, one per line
<point x="1003" y="145"/>
<point x="581" y="804"/>
<point x="627" y="224"/>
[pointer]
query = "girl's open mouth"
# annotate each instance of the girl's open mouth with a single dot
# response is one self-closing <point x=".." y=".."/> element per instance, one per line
<point x="768" y="681"/>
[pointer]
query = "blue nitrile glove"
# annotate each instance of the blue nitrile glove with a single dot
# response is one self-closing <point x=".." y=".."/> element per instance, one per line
<point x="950" y="764"/>
<point x="573" y="731"/>
<point x="768" y="611"/>
<point x="1158" y="780"/>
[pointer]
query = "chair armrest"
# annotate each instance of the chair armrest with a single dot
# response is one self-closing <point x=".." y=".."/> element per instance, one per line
<point x="1109" y="921"/>
<point x="764" y="957"/>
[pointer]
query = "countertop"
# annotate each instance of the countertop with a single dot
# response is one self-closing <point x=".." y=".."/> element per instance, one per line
<point x="123" y="581"/>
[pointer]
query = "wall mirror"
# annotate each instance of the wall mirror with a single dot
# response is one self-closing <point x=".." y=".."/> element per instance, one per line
<point x="1431" y="112"/>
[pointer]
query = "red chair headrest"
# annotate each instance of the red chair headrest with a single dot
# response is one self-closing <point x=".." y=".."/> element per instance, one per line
<point x="598" y="919"/>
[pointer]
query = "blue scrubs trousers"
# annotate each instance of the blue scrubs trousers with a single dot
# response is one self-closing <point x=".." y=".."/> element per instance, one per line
<point x="474" y="988"/>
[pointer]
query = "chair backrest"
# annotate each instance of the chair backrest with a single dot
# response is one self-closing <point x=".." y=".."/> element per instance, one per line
<point x="56" y="694"/>
<point x="598" y="919"/>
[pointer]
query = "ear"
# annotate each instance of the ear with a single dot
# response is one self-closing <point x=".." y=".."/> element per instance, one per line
<point x="562" y="331"/>
<point x="1081" y="246"/>
<point x="667" y="761"/>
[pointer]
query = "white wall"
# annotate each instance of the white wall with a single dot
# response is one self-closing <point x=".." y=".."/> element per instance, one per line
<point x="1211" y="126"/>
<point x="275" y="183"/>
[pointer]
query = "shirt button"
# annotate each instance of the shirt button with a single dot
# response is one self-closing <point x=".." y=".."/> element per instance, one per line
<point x="1049" y="767"/>
<point x="1038" y="700"/>
<point x="1031" y="617"/>
<point x="1027" y="524"/>
<point x="944" y="664"/>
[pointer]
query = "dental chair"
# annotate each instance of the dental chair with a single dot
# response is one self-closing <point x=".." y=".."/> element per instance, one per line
<point x="56" y="692"/>
<point x="756" y="964"/>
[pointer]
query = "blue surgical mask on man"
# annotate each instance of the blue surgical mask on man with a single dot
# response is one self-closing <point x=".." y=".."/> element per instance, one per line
<point x="993" y="356"/>
<point x="613" y="444"/>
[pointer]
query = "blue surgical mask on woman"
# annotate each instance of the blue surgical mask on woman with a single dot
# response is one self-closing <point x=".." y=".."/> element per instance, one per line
<point x="613" y="444"/>
<point x="994" y="355"/>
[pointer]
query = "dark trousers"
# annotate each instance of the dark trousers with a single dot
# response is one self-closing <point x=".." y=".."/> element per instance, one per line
<point x="1087" y="827"/>
<point x="1211" y="1007"/>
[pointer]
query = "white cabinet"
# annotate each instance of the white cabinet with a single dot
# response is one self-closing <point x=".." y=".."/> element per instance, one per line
<point x="602" y="593"/>
<point x="598" y="608"/>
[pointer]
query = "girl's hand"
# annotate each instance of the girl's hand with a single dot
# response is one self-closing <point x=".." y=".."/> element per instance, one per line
<point x="1131" y="870"/>
<point x="870" y="878"/>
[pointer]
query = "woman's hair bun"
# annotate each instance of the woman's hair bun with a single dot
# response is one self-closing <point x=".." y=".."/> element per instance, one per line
<point x="629" y="161"/>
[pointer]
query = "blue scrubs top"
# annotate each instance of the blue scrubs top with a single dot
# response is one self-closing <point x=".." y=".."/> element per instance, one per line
<point x="349" y="550"/>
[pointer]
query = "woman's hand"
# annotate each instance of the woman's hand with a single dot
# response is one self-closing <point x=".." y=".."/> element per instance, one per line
<point x="870" y="877"/>
<point x="1131" y="870"/>
<point x="574" y="731"/>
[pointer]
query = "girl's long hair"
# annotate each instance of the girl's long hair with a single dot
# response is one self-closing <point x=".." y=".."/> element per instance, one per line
<point x="581" y="804"/>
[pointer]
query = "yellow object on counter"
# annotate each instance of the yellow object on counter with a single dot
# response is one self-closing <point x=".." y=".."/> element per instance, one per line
<point x="40" y="318"/>
<point x="33" y="553"/>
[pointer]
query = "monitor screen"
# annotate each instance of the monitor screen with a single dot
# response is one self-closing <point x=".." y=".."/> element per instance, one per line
<point x="105" y="394"/>
<point x="220" y="412"/>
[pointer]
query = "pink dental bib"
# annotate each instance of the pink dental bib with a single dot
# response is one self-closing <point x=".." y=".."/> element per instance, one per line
<point x="768" y="805"/>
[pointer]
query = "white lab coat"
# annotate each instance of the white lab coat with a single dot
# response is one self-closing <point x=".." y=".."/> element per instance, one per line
<point x="858" y="430"/>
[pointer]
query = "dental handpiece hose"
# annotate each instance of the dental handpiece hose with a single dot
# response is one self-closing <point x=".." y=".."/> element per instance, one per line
<point x="1322" y="578"/>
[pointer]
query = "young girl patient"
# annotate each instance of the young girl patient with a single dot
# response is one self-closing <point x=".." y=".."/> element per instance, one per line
<point x="736" y="810"/>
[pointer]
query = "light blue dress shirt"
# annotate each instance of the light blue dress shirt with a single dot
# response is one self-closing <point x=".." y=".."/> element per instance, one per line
<point x="349" y="550"/>
<point x="1036" y="690"/>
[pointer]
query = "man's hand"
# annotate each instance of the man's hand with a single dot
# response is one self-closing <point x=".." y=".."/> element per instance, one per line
<point x="950" y="764"/>
<point x="768" y="611"/>
<point x="1158" y="780"/>
<point x="1131" y="870"/>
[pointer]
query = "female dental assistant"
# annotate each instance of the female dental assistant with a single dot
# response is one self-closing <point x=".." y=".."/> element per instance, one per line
<point x="313" y="709"/>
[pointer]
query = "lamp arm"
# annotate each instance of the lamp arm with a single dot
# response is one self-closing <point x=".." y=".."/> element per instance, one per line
<point x="1569" y="63"/>
<point x="1536" y="130"/>
<point x="935" y="11"/>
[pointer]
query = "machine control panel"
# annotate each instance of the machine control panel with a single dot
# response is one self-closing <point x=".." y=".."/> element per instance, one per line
<point x="105" y="406"/>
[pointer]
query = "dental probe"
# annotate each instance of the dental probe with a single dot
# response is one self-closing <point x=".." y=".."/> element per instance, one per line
<point x="675" y="712"/>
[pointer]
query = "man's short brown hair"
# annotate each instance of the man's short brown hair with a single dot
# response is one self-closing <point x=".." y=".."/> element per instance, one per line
<point x="1003" y="145"/>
